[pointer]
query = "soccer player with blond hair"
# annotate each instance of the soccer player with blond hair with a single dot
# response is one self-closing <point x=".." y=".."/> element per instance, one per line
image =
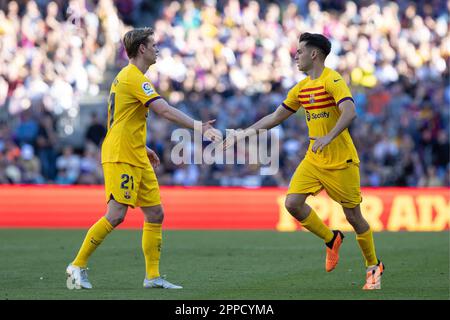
<point x="331" y="162"/>
<point x="128" y="163"/>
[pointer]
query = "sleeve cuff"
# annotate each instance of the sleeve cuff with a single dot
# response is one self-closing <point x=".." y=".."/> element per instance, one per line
<point x="343" y="99"/>
<point x="151" y="100"/>
<point x="290" y="109"/>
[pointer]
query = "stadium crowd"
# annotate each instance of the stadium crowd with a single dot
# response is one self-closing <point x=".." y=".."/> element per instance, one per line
<point x="231" y="61"/>
<point x="51" y="54"/>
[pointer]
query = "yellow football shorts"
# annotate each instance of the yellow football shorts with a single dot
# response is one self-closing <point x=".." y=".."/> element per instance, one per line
<point x="134" y="186"/>
<point x="342" y="185"/>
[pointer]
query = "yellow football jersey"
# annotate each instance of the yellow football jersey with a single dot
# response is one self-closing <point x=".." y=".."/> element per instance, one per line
<point x="320" y="98"/>
<point x="130" y="95"/>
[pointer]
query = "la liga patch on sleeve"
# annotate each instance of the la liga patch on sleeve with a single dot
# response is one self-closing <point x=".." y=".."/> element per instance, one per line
<point x="148" y="90"/>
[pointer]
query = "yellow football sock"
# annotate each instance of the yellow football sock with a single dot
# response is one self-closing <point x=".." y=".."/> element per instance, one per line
<point x="314" y="224"/>
<point x="151" y="245"/>
<point x="93" y="239"/>
<point x="365" y="241"/>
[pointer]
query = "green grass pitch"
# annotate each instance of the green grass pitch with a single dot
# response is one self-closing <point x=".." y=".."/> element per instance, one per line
<point x="223" y="265"/>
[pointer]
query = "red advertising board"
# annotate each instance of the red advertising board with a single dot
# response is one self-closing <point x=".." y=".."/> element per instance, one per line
<point x="393" y="209"/>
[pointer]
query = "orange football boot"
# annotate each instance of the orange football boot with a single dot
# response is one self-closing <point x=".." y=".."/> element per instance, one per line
<point x="333" y="246"/>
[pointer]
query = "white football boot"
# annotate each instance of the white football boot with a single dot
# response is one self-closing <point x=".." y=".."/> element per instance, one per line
<point x="160" y="282"/>
<point x="77" y="278"/>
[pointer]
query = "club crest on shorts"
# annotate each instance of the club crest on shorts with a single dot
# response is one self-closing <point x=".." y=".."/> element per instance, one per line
<point x="127" y="195"/>
<point x="311" y="98"/>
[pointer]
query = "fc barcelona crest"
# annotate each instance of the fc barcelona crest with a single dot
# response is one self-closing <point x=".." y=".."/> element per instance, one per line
<point x="311" y="98"/>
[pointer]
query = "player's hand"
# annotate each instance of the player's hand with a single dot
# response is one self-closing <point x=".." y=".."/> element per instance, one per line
<point x="210" y="132"/>
<point x="153" y="157"/>
<point x="320" y="143"/>
<point x="233" y="138"/>
<point x="229" y="141"/>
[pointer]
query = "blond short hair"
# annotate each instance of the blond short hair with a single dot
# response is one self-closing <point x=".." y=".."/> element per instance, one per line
<point x="134" y="38"/>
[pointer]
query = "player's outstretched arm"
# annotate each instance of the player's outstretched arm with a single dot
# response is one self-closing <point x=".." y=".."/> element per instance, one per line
<point x="162" y="108"/>
<point x="271" y="120"/>
<point x="268" y="122"/>
<point x="348" y="113"/>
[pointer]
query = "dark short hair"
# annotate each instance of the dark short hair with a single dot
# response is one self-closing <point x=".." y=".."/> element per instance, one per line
<point x="316" y="40"/>
<point x="134" y="38"/>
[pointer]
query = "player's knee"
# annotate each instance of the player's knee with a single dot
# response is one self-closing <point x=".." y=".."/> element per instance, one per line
<point x="159" y="216"/>
<point x="156" y="215"/>
<point x="353" y="217"/>
<point x="293" y="206"/>
<point x="116" y="213"/>
<point x="358" y="222"/>
<point x="115" y="221"/>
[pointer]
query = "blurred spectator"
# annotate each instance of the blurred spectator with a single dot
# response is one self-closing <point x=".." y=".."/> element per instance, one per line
<point x="69" y="164"/>
<point x="45" y="144"/>
<point x="62" y="177"/>
<point x="441" y="151"/>
<point x="186" y="175"/>
<point x="27" y="130"/>
<point x="30" y="165"/>
<point x="90" y="167"/>
<point x="3" y="165"/>
<point x="430" y="179"/>
<point x="96" y="131"/>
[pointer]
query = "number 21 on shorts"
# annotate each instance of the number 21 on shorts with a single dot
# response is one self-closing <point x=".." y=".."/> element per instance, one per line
<point x="126" y="179"/>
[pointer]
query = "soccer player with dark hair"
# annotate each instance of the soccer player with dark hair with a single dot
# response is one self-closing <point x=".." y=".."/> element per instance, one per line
<point x="331" y="162"/>
<point x="128" y="163"/>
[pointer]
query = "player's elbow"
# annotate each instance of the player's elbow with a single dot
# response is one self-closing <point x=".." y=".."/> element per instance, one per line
<point x="350" y="119"/>
<point x="167" y="114"/>
<point x="274" y="120"/>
